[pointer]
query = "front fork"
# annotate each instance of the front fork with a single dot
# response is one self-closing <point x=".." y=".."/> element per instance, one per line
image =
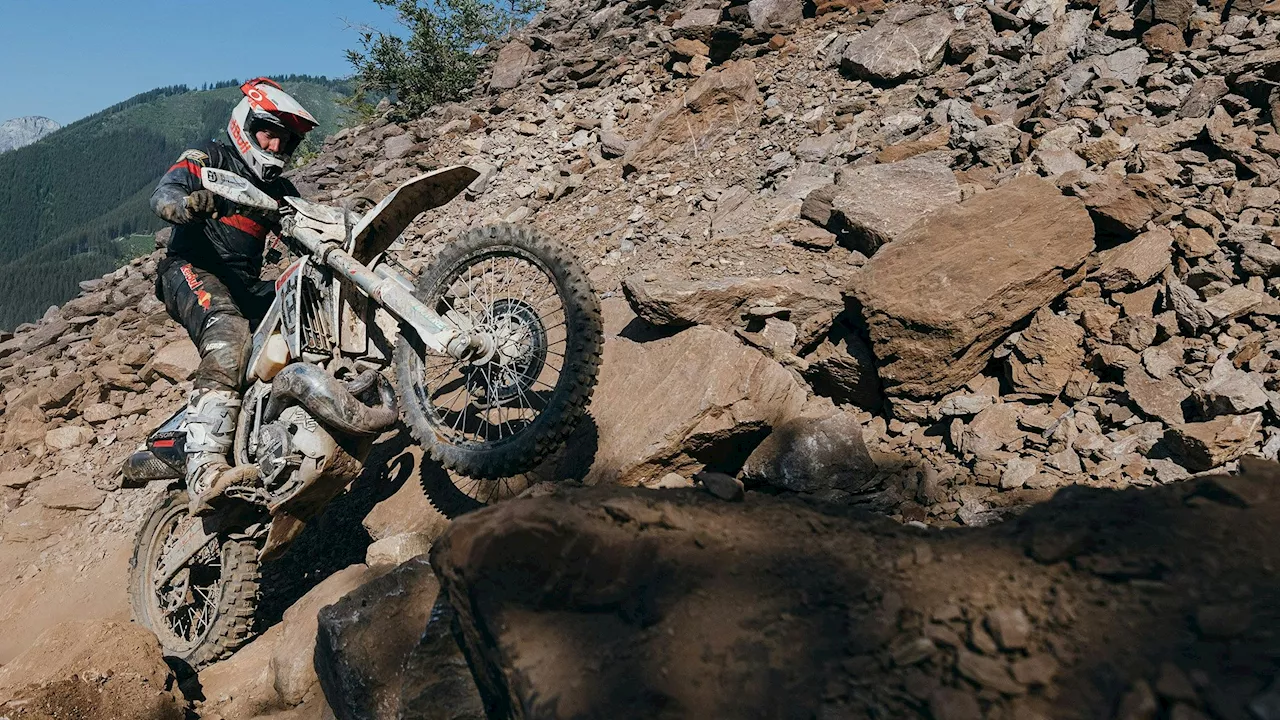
<point x="394" y="292"/>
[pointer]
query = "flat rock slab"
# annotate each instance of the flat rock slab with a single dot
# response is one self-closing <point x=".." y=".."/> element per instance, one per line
<point x="773" y="607"/>
<point x="874" y="205"/>
<point x="714" y="108"/>
<point x="729" y="302"/>
<point x="1134" y="263"/>
<point x="903" y="45"/>
<point x="68" y="491"/>
<point x="939" y="299"/>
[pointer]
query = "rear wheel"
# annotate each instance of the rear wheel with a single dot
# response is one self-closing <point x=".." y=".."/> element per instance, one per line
<point x="501" y="415"/>
<point x="205" y="611"/>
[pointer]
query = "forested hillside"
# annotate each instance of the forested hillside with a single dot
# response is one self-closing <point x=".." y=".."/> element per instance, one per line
<point x="69" y="202"/>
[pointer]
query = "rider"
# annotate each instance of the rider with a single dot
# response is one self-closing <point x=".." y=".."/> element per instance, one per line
<point x="209" y="281"/>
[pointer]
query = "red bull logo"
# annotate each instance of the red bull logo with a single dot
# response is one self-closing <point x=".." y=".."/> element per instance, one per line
<point x="204" y="299"/>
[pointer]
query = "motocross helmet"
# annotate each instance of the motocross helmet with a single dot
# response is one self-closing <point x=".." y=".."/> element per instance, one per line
<point x="266" y="105"/>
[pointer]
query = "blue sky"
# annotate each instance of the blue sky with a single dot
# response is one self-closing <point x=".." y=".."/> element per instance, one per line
<point x="65" y="59"/>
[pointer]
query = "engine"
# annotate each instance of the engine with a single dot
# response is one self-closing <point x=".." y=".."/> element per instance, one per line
<point x="293" y="452"/>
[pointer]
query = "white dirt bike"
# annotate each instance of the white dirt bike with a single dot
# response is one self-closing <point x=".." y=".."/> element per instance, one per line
<point x="495" y="348"/>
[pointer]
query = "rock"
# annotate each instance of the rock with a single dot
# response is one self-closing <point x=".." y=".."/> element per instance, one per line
<point x="514" y="60"/>
<point x="437" y="683"/>
<point x="1117" y="208"/>
<point x="397" y="549"/>
<point x="987" y="672"/>
<point x="1230" y="391"/>
<point x="60" y="392"/>
<point x="397" y="148"/>
<point x="1009" y="626"/>
<point x="1205" y="445"/>
<point x="1260" y="259"/>
<point x="99" y="413"/>
<point x="875" y="204"/>
<point x="1159" y="399"/>
<point x="774" y="15"/>
<point x="811" y="454"/>
<point x="364" y="639"/>
<point x="25" y="427"/>
<point x="678" y="403"/>
<point x="68" y="491"/>
<point x="1174" y="12"/>
<point x="1204" y="94"/>
<point x="902" y="45"/>
<point x="67" y="437"/>
<point x="843" y="369"/>
<point x="1134" y="263"/>
<point x="725" y="487"/>
<point x="276" y="672"/>
<point x="727" y="303"/>
<point x="177" y="361"/>
<point x="94" y="670"/>
<point x="714" y="108"/>
<point x="17" y="478"/>
<point x="938" y="300"/>
<point x="1046" y="354"/>
<point x="1042" y="12"/>
<point x="1063" y="36"/>
<point x="1232" y="303"/>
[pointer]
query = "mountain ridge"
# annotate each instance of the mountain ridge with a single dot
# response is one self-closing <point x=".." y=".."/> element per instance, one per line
<point x="23" y="131"/>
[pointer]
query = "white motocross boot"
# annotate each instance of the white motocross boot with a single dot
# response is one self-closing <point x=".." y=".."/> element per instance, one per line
<point x="211" y="427"/>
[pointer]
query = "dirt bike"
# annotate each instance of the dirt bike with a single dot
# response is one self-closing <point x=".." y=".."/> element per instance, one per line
<point x="495" y="350"/>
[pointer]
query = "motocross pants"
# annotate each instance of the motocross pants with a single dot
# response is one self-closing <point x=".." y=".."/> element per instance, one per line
<point x="217" y="315"/>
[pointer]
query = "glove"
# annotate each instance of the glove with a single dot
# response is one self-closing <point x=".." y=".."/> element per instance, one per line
<point x="201" y="204"/>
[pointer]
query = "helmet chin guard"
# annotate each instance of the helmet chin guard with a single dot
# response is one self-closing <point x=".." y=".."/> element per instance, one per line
<point x="266" y="105"/>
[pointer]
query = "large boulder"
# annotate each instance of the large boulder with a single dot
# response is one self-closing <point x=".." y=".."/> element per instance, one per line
<point x="875" y="204"/>
<point x="91" y="670"/>
<point x="365" y="638"/>
<point x="714" y="108"/>
<point x="741" y="302"/>
<point x="680" y="403"/>
<point x="906" y="43"/>
<point x="437" y="682"/>
<point x="941" y="297"/>
<point x="572" y="605"/>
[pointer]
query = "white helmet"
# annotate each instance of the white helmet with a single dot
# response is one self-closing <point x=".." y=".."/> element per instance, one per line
<point x="265" y="105"/>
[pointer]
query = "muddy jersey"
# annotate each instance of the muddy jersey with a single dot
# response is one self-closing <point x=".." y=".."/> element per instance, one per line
<point x="231" y="244"/>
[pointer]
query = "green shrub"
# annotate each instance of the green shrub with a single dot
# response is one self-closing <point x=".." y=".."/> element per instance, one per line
<point x="438" y="61"/>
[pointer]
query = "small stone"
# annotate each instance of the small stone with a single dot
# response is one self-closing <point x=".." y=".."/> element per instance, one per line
<point x="1039" y="669"/>
<point x="722" y="486"/>
<point x="988" y="672"/>
<point x="1010" y="627"/>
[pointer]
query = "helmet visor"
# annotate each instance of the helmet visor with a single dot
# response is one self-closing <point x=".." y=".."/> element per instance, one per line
<point x="267" y="122"/>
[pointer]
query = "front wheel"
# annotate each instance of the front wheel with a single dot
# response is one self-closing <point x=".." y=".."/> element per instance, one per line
<point x="502" y="414"/>
<point x="205" y="611"/>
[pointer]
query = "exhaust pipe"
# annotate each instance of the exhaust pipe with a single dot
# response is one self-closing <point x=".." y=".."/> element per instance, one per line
<point x="332" y="401"/>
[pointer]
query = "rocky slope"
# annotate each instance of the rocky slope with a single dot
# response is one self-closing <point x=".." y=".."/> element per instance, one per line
<point x="935" y="260"/>
<point x="20" y="132"/>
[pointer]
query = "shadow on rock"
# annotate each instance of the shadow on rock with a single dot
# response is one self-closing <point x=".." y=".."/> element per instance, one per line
<point x="674" y="604"/>
<point x="335" y="539"/>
